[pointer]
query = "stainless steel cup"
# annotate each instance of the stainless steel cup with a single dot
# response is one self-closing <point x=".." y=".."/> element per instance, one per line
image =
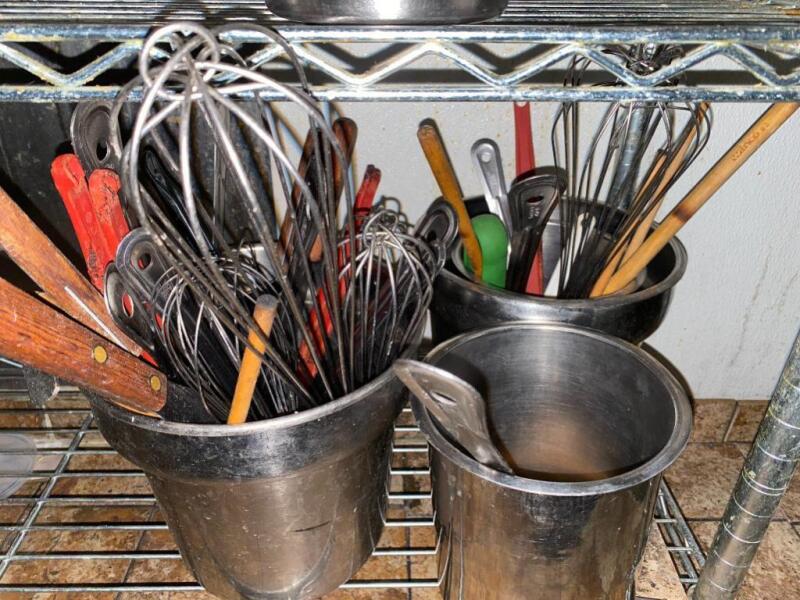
<point x="460" y="304"/>
<point x="589" y="423"/>
<point x="287" y="508"/>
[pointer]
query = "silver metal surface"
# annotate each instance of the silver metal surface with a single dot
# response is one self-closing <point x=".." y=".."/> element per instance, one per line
<point x="381" y="12"/>
<point x="742" y="47"/>
<point x="461" y="304"/>
<point x="290" y="507"/>
<point x="457" y="406"/>
<point x="591" y="446"/>
<point x="90" y="483"/>
<point x="489" y="167"/>
<point x="764" y="479"/>
<point x="89" y="131"/>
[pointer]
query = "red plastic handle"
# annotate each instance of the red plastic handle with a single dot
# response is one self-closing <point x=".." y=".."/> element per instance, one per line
<point x="70" y="181"/>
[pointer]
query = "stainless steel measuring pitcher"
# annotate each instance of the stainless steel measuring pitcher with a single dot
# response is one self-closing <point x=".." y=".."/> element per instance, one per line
<point x="588" y="423"/>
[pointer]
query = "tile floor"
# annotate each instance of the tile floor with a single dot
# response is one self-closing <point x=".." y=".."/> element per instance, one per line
<point x="701" y="481"/>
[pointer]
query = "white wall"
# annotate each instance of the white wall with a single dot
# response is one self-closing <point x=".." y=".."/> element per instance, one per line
<point x="737" y="310"/>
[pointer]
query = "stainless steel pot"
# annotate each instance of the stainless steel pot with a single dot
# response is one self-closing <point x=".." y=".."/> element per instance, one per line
<point x="461" y="304"/>
<point x="287" y="508"/>
<point x="387" y="12"/>
<point x="589" y="423"/>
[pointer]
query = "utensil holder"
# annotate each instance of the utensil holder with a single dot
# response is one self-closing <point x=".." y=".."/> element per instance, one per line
<point x="461" y="304"/>
<point x="589" y="423"/>
<point x="289" y="507"/>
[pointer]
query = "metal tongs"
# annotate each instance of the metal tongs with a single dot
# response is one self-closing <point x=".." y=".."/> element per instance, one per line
<point x="532" y="201"/>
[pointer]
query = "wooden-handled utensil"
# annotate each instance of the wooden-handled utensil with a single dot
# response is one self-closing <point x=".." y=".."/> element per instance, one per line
<point x="445" y="176"/>
<point x="264" y="316"/>
<point x="60" y="281"/>
<point x="744" y="148"/>
<point x="39" y="336"/>
<point x="346" y="132"/>
<point x="629" y="244"/>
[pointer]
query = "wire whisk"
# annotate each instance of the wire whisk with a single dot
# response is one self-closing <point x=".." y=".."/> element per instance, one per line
<point x="351" y="295"/>
<point x="615" y="186"/>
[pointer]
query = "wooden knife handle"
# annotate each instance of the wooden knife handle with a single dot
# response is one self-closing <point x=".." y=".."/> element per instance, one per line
<point x="63" y="284"/>
<point x="37" y="335"/>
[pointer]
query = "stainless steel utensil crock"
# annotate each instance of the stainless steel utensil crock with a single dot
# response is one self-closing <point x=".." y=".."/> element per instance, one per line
<point x="589" y="423"/>
<point x="383" y="12"/>
<point x="461" y="304"/>
<point x="287" y="508"/>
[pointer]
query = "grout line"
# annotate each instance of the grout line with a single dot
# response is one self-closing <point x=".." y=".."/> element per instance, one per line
<point x="151" y="513"/>
<point x="732" y="420"/>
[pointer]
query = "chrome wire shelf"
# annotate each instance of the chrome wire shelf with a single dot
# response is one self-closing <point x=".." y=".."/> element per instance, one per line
<point x="86" y="521"/>
<point x="733" y="50"/>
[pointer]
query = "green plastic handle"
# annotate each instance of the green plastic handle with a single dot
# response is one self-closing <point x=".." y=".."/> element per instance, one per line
<point x="493" y="239"/>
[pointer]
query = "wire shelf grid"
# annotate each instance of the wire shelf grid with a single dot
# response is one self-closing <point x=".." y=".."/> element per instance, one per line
<point x="89" y="516"/>
<point x="733" y="50"/>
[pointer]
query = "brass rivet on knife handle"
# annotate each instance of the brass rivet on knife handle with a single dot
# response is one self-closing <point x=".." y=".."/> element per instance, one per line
<point x="39" y="336"/>
<point x="63" y="284"/>
<point x="445" y="176"/>
<point x="767" y="124"/>
<point x="99" y="354"/>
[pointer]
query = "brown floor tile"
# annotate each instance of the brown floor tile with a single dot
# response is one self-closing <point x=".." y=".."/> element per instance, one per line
<point x="424" y="567"/>
<point x="166" y="596"/>
<point x="412" y="460"/>
<point x="11" y="514"/>
<point x="31" y="487"/>
<point x="422" y="537"/>
<point x="94" y="514"/>
<point x="66" y="571"/>
<point x="426" y="594"/>
<point x="409" y="437"/>
<point x="790" y="504"/>
<point x="23" y="418"/>
<point x="93" y="439"/>
<point x="79" y="541"/>
<point x="159" y="571"/>
<point x="58" y="596"/>
<point x="393" y="568"/>
<point x="776" y="568"/>
<point x="711" y="419"/>
<point x="135" y="485"/>
<point x="100" y="462"/>
<point x="385" y="594"/>
<point x="406" y="418"/>
<point x="703" y="477"/>
<point x="747" y="420"/>
<point x="159" y="539"/>
<point x="656" y="576"/>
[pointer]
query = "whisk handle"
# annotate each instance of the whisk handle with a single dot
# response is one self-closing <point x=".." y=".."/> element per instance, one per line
<point x="767" y="124"/>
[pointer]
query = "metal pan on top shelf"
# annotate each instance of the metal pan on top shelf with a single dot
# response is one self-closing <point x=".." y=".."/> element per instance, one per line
<point x="380" y="12"/>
